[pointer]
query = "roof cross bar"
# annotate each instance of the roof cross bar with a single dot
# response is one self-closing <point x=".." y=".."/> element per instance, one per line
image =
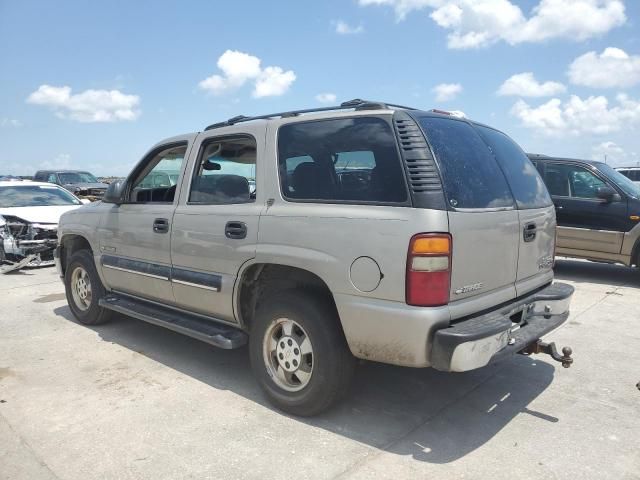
<point x="356" y="104"/>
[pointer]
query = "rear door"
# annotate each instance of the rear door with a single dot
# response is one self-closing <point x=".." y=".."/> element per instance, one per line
<point x="483" y="219"/>
<point x="215" y="226"/>
<point x="535" y="211"/>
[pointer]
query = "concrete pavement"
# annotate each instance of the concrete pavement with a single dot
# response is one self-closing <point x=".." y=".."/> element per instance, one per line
<point x="130" y="400"/>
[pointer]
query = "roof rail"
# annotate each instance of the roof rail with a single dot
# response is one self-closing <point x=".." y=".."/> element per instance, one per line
<point x="356" y="104"/>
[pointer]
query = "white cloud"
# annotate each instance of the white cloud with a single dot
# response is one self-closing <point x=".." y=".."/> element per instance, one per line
<point x="326" y="97"/>
<point x="614" y="154"/>
<point x="478" y="23"/>
<point x="446" y="91"/>
<point x="88" y="106"/>
<point x="403" y="7"/>
<point x="10" y="122"/>
<point x="613" y="68"/>
<point x="343" y="28"/>
<point x="526" y="85"/>
<point x="238" y="68"/>
<point x="273" y="82"/>
<point x="577" y="116"/>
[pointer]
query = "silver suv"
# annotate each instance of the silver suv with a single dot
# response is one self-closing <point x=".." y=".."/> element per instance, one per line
<point x="365" y="230"/>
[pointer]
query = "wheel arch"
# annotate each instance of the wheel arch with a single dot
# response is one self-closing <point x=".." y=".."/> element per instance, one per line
<point x="257" y="279"/>
<point x="70" y="244"/>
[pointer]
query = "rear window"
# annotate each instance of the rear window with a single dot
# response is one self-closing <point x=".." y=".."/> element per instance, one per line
<point x="527" y="186"/>
<point x="352" y="160"/>
<point x="472" y="178"/>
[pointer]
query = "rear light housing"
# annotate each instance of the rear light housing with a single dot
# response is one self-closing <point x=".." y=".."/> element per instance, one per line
<point x="428" y="278"/>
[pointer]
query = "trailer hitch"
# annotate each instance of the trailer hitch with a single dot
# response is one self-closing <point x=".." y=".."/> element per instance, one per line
<point x="550" y="349"/>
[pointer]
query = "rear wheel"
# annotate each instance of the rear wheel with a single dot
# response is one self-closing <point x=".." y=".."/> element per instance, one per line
<point x="84" y="289"/>
<point x="298" y="353"/>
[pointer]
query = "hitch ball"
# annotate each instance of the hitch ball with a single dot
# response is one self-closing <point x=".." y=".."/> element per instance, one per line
<point x="566" y="357"/>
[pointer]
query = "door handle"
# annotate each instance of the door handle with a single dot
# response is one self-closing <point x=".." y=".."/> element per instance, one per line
<point x="559" y="207"/>
<point x="235" y="230"/>
<point x="529" y="232"/>
<point x="161" y="225"/>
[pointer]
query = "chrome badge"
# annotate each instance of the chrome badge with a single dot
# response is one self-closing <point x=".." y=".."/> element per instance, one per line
<point x="469" y="288"/>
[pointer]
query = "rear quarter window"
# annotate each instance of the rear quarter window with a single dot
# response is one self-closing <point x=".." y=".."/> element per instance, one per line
<point x="347" y="160"/>
<point x="527" y="186"/>
<point x="471" y="175"/>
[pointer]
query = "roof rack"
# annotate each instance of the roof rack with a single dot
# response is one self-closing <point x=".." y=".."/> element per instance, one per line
<point x="357" y="104"/>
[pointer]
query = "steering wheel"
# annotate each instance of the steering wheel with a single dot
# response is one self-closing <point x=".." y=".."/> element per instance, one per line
<point x="169" y="194"/>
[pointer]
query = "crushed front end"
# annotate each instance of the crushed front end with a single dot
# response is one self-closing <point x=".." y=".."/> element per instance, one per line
<point x="25" y="244"/>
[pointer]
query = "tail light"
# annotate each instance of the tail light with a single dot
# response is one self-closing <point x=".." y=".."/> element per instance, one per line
<point x="429" y="270"/>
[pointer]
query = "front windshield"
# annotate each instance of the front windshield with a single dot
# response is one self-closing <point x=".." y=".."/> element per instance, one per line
<point x="76" y="177"/>
<point x="627" y="185"/>
<point x="35" y="196"/>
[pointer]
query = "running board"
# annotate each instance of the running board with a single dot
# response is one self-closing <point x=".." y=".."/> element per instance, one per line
<point x="209" y="331"/>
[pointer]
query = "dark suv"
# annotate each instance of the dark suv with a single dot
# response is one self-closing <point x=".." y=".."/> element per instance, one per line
<point x="82" y="184"/>
<point x="597" y="209"/>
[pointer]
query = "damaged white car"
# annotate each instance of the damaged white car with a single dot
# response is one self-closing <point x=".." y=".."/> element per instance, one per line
<point x="29" y="215"/>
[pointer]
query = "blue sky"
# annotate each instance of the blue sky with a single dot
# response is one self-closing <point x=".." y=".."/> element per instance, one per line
<point x="93" y="85"/>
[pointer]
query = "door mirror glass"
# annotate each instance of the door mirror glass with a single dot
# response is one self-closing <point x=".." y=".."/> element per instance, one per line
<point x="114" y="192"/>
<point x="606" y="193"/>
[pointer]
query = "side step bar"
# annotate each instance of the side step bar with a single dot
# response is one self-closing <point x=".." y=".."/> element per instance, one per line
<point x="217" y="334"/>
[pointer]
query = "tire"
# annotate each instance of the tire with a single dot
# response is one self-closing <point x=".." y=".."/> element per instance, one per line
<point x="84" y="289"/>
<point x="321" y="377"/>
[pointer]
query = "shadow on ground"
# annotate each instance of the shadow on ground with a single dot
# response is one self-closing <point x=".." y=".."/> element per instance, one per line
<point x="581" y="271"/>
<point x="445" y="416"/>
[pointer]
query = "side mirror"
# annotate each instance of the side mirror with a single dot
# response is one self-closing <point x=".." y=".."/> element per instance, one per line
<point x="606" y="193"/>
<point x="114" y="192"/>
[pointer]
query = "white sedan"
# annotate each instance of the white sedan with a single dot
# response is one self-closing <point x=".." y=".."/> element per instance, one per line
<point x="29" y="216"/>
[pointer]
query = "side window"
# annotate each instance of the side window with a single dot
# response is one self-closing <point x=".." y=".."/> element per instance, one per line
<point x="52" y="178"/>
<point x="351" y="160"/>
<point x="556" y="177"/>
<point x="583" y="183"/>
<point x="225" y="172"/>
<point x="471" y="175"/>
<point x="565" y="180"/>
<point x="145" y="189"/>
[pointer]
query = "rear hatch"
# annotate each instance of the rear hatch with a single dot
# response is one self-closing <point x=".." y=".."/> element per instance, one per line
<point x="493" y="194"/>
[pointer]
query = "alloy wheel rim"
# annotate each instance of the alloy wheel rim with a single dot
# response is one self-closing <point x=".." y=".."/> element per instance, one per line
<point x="81" y="288"/>
<point x="288" y="354"/>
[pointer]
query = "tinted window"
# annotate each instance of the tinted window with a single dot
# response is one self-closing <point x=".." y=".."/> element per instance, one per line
<point x="346" y="160"/>
<point x="567" y="180"/>
<point x="472" y="178"/>
<point x="525" y="182"/>
<point x="225" y="172"/>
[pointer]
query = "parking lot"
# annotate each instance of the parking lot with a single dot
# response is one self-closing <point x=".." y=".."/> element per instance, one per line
<point x="131" y="400"/>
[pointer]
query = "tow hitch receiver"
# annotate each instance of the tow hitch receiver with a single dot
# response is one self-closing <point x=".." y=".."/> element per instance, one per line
<point x="550" y="349"/>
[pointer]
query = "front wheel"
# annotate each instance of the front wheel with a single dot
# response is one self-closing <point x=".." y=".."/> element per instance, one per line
<point x="299" y="354"/>
<point x="84" y="289"/>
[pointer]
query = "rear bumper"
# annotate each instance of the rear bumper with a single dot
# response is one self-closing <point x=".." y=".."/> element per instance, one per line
<point x="475" y="342"/>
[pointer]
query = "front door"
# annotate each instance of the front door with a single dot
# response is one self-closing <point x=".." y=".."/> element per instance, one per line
<point x="215" y="226"/>
<point x="585" y="222"/>
<point x="135" y="236"/>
